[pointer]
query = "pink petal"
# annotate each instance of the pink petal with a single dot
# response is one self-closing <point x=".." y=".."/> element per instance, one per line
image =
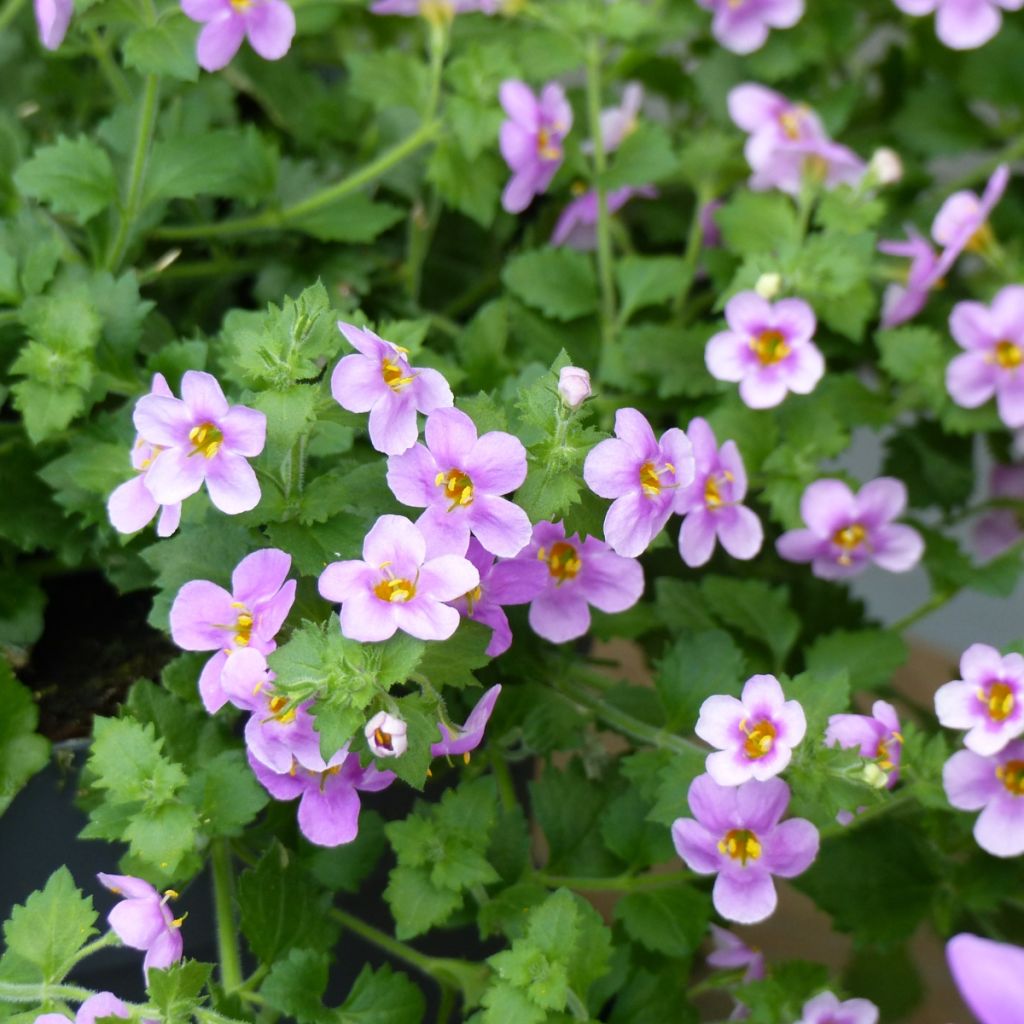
<point x="232" y="483"/>
<point x="130" y="507"/>
<point x="202" y="616"/>
<point x="745" y="895"/>
<point x="828" y="505"/>
<point x="393" y="426"/>
<point x="357" y="383"/>
<point x="726" y="356"/>
<point x="501" y="526"/>
<point x="219" y="40"/>
<point x="412" y="475"/>
<point x="245" y="430"/>
<point x="175" y="475"/>
<point x="270" y="25"/>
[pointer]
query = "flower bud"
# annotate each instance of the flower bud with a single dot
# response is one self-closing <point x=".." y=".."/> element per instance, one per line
<point x="386" y="735"/>
<point x="768" y="285"/>
<point x="875" y="776"/>
<point x="886" y="167"/>
<point x="574" y="386"/>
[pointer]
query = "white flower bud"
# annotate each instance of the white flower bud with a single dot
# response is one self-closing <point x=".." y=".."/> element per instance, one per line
<point x="574" y="386"/>
<point x="875" y="776"/>
<point x="386" y="735"/>
<point x="886" y="167"/>
<point x="768" y="285"/>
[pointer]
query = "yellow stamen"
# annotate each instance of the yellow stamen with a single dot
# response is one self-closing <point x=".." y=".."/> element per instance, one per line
<point x="760" y="739"/>
<point x="982" y="239"/>
<point x="999" y="701"/>
<point x="465" y="757"/>
<point x="547" y="147"/>
<point x="741" y="844"/>
<point x="712" y="495"/>
<point x="179" y="921"/>
<point x="649" y="482"/>
<point x="277" y="704"/>
<point x="1007" y="355"/>
<point x="770" y="347"/>
<point x="790" y="122"/>
<point x="382" y="739"/>
<point x="458" y="488"/>
<point x="393" y="375"/>
<point x="170" y="894"/>
<point x="563" y="562"/>
<point x="849" y="538"/>
<point x="395" y="590"/>
<point x="206" y="440"/>
<point x="1011" y="775"/>
<point x="472" y="597"/>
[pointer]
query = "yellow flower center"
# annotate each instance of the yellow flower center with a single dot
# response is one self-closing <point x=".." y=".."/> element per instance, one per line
<point x="277" y="704"/>
<point x="760" y="739"/>
<point x="393" y="375"/>
<point x="206" y="440"/>
<point x="383" y="739"/>
<point x="395" y="590"/>
<point x="472" y="596"/>
<point x="998" y="701"/>
<point x="563" y="562"/>
<point x="790" y="122"/>
<point x="849" y="538"/>
<point x="741" y="844"/>
<point x="458" y="487"/>
<point x="1011" y="775"/>
<point x="547" y="147"/>
<point x="650" y="481"/>
<point x="241" y="5"/>
<point x="1007" y="355"/>
<point x="982" y="239"/>
<point x="770" y="347"/>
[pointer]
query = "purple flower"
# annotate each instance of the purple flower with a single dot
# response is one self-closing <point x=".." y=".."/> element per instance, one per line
<point x="999" y="529"/>
<point x="962" y="24"/>
<point x="994" y="785"/>
<point x="962" y="221"/>
<point x="396" y="587"/>
<point x="990" y="977"/>
<point x="755" y="735"/>
<point x="501" y="583"/>
<point x="643" y="475"/>
<point x="531" y="139"/>
<point x="103" y="1004"/>
<point x="731" y="952"/>
<point x="268" y="24"/>
<point x="846" y="531"/>
<point x="579" y="574"/>
<point x="577" y="225"/>
<point x="618" y="123"/>
<point x="742" y="25"/>
<point x="876" y="735"/>
<point x="903" y="302"/>
<point x="52" y="20"/>
<point x="993" y="337"/>
<point x="827" y="1009"/>
<point x="328" y="793"/>
<point x="461" y="739"/>
<point x="712" y="501"/>
<point x="459" y="477"/>
<point x="573" y="386"/>
<point x="768" y="349"/>
<point x="386" y="735"/>
<point x="143" y="921"/>
<point x="131" y="506"/>
<point x="988" y="701"/>
<point x="204" y="439"/>
<point x="205" y="617"/>
<point x="380" y="381"/>
<point x="738" y="836"/>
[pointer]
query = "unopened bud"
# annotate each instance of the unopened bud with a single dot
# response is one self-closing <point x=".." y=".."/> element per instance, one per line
<point x="385" y="735"/>
<point x="768" y="285"/>
<point x="574" y="386"/>
<point x="886" y="167"/>
<point x="875" y="776"/>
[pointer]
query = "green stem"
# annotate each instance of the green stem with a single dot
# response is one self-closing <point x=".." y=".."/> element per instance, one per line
<point x="227" y="933"/>
<point x="694" y="241"/>
<point x="936" y="601"/>
<point x="446" y="1005"/>
<point x="272" y="219"/>
<point x="9" y="12"/>
<point x="11" y="992"/>
<point x="618" y="883"/>
<point x="109" y="939"/>
<point x="401" y="950"/>
<point x="506" y="790"/>
<point x="575" y="1006"/>
<point x="900" y="799"/>
<point x="111" y="72"/>
<point x="136" y="172"/>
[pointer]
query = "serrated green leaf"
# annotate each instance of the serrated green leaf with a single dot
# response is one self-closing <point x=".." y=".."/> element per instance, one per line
<point x="452" y="662"/>
<point x="128" y="763"/>
<point x="869" y="656"/>
<point x="73" y="176"/>
<point x="22" y="751"/>
<point x="671" y="921"/>
<point x="176" y="991"/>
<point x="225" y="794"/>
<point x="167" y="48"/>
<point x="296" y="985"/>
<point x="559" y="282"/>
<point x="697" y="665"/>
<point x="648" y="281"/>
<point x="756" y="609"/>
<point x="355" y="218"/>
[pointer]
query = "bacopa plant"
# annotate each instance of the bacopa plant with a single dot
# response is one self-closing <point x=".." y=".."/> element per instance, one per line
<point x="465" y="389"/>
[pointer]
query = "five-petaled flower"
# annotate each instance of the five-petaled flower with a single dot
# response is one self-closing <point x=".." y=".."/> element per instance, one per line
<point x="990" y="977"/>
<point x="995" y="786"/>
<point x="742" y="25"/>
<point x="379" y="380"/>
<point x="461" y="739"/>
<point x="143" y="920"/>
<point x="269" y="26"/>
<point x="877" y="736"/>
<point x="825" y="1008"/>
<point x="386" y="735"/>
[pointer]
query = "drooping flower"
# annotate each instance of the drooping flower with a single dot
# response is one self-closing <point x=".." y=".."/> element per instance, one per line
<point x="768" y="349"/>
<point x="204" y="439"/>
<point x="995" y="786"/>
<point x="577" y="225"/>
<point x="962" y="221"/>
<point x="579" y="574"/>
<point x="380" y="381"/>
<point x="826" y="1008"/>
<point x="143" y="921"/>
<point x="743" y="25"/>
<point x="205" y="617"/>
<point x="731" y="952"/>
<point x="459" y="478"/>
<point x="846" y="532"/>
<point x="988" y="701"/>
<point x="386" y="735"/>
<point x="788" y="145"/>
<point x="328" y="793"/>
<point x="618" y="123"/>
<point x="962" y="24"/>
<point x="396" y="587"/>
<point x="269" y="26"/>
<point x="990" y="977"/>
<point x="573" y="386"/>
<point x="755" y="735"/>
<point x="461" y="739"/>
<point x="712" y="502"/>
<point x="131" y="506"/>
<point x="501" y="583"/>
<point x="993" y="363"/>
<point x="52" y="20"/>
<point x="531" y="139"/>
<point x="877" y="736"/>
<point x="999" y="529"/>
<point x="901" y="303"/>
<point x="103" y="1004"/>
<point x="643" y="476"/>
<point x="738" y="835"/>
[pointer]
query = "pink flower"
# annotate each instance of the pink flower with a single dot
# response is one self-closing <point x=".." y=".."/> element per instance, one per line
<point x="205" y="617"/>
<point x="755" y="735"/>
<point x="459" y="478"/>
<point x="462" y="739"/>
<point x="994" y="785"/>
<point x="577" y="225"/>
<point x="742" y="25"/>
<point x="380" y="381"/>
<point x="579" y="574"/>
<point x="731" y="952"/>
<point x="876" y="735"/>
<point x="204" y="439"/>
<point x="531" y="139"/>
<point x="142" y="920"/>
<point x="846" y="531"/>
<point x="962" y="24"/>
<point x="993" y="363"/>
<point x="768" y="349"/>
<point x="268" y="24"/>
<point x="988" y="701"/>
<point x="712" y="502"/>
<point x="131" y="506"/>
<point x="396" y="587"/>
<point x="618" y="123"/>
<point x="827" y="1009"/>
<point x="903" y="302"/>
<point x="52" y="20"/>
<point x="573" y="386"/>
<point x="103" y="1004"/>
<point x="737" y="835"/>
<point x="990" y="977"/>
<point x="386" y="735"/>
<point x="962" y="221"/>
<point x="643" y="475"/>
<point x="997" y="530"/>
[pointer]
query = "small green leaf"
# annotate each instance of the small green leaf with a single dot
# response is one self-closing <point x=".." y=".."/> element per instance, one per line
<point x="559" y="282"/>
<point x="22" y="751"/>
<point x="671" y="921"/>
<point x="176" y="991"/>
<point x="73" y="176"/>
<point x="167" y="48"/>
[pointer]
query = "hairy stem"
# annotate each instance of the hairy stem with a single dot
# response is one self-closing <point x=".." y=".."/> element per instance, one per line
<point x="227" y="932"/>
<point x="12" y="992"/>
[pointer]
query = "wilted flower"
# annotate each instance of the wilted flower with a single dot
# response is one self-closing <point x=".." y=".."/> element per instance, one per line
<point x="386" y="735"/>
<point x="997" y="530"/>
<point x="827" y="1009"/>
<point x="903" y="302"/>
<point x="846" y="531"/>
<point x="742" y="25"/>
<point x="380" y="381"/>
<point x="877" y="736"/>
<point x="577" y="225"/>
<point x="962" y="24"/>
<point x="462" y="739"/>
<point x="618" y="123"/>
<point x="712" y="502"/>
<point x="268" y="24"/>
<point x="52" y="20"/>
<point x="768" y="349"/>
<point x="755" y="735"/>
<point x="988" y="701"/>
<point x="531" y="140"/>
<point x="396" y="587"/>
<point x="962" y="221"/>
<point x="990" y="977"/>
<point x="459" y="478"/>
<point x="995" y="786"/>
<point x="573" y="386"/>
<point x="737" y="835"/>
<point x="143" y="921"/>
<point x="642" y="474"/>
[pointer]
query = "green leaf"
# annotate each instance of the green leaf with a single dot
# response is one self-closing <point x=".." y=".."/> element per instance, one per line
<point x="388" y="78"/>
<point x="758" y="222"/>
<point x="296" y="985"/>
<point x="671" y="921"/>
<point x="356" y="218"/>
<point x="382" y="996"/>
<point x="697" y="665"/>
<point x="819" y="696"/>
<point x="452" y="662"/>
<point x="22" y="751"/>
<point x="559" y="282"/>
<point x="167" y="48"/>
<point x="915" y="356"/>
<point x="163" y="835"/>
<point x="869" y="656"/>
<point x="756" y="609"/>
<point x="417" y="905"/>
<point x="73" y="176"/>
<point x="127" y="760"/>
<point x="221" y="163"/>
<point x="644" y="158"/>
<point x="469" y="184"/>
<point x="176" y="991"/>
<point x="648" y="281"/>
<point x="226" y="794"/>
